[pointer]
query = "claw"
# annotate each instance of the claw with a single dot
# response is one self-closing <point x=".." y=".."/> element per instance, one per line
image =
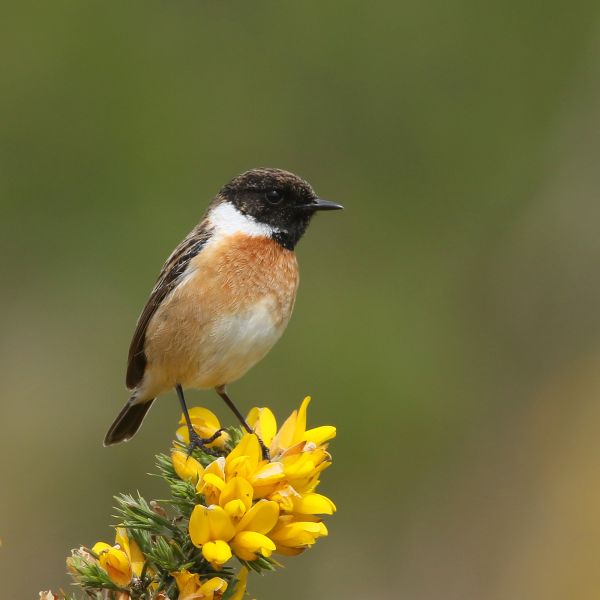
<point x="201" y="443"/>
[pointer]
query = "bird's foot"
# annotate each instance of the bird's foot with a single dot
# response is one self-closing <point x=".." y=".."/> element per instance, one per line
<point x="202" y="443"/>
<point x="263" y="448"/>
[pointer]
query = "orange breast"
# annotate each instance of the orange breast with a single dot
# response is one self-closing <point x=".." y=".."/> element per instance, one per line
<point x="242" y="269"/>
<point x="229" y="310"/>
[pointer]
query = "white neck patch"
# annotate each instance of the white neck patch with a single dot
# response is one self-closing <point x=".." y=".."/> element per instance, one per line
<point x="226" y="219"/>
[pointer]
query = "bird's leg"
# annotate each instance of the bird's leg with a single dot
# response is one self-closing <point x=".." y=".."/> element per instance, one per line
<point x="195" y="440"/>
<point x="221" y="391"/>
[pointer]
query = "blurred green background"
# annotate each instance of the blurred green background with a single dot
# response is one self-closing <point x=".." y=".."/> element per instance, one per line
<point x="447" y="321"/>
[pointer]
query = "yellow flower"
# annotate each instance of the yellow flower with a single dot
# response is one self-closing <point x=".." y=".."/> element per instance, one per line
<point x="212" y="481"/>
<point x="205" y="424"/>
<point x="186" y="467"/>
<point x="302" y="467"/>
<point x="264" y="424"/>
<point x="312" y="504"/>
<point x="292" y="536"/>
<point x="244" y="461"/>
<point x="121" y="561"/>
<point x="298" y="456"/>
<point x="236" y="497"/>
<point x="115" y="562"/>
<point x="291" y="433"/>
<point x="220" y="534"/>
<point x="132" y="550"/>
<point x="302" y="455"/>
<point x="191" y="588"/>
<point x="247" y="496"/>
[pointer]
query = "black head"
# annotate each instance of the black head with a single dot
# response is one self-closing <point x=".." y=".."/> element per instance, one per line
<point x="276" y="198"/>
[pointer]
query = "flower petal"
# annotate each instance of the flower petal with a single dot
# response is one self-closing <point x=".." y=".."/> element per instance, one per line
<point x="300" y="465"/>
<point x="221" y="527"/>
<point x="237" y="488"/>
<point x="216" y="553"/>
<point x="200" y="415"/>
<point x="261" y="518"/>
<point x="187" y="583"/>
<point x="199" y="526"/>
<point x="209" y="524"/>
<point x="217" y="467"/>
<point x="210" y="486"/>
<point x="285" y="436"/>
<point x="267" y="426"/>
<point x="235" y="509"/>
<point x="297" y="534"/>
<point x="205" y="424"/>
<point x="116" y="564"/>
<point x="131" y="549"/>
<point x="313" y="504"/>
<point x="242" y="466"/>
<point x="247" y="447"/>
<point x="263" y="422"/>
<point x="186" y="467"/>
<point x="214" y="584"/>
<point x="288" y="551"/>
<point x="300" y="428"/>
<point x="292" y="431"/>
<point x="268" y="473"/>
<point x="267" y="478"/>
<point x="320" y="435"/>
<point x="284" y="496"/>
<point x="248" y="545"/>
<point x="214" y="480"/>
<point x="100" y="547"/>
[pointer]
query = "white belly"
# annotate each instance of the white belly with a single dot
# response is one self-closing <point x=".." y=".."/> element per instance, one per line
<point x="235" y="343"/>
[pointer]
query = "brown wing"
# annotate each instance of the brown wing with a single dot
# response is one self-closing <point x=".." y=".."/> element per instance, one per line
<point x="170" y="276"/>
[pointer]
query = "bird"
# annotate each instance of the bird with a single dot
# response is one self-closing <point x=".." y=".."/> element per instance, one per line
<point x="222" y="299"/>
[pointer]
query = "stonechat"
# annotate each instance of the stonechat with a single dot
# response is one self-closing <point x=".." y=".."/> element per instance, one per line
<point x="223" y="297"/>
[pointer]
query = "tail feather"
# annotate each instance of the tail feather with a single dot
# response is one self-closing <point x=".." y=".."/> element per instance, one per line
<point x="127" y="423"/>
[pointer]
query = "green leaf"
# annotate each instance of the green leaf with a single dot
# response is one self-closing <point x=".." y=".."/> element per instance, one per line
<point x="138" y="514"/>
<point x="230" y="589"/>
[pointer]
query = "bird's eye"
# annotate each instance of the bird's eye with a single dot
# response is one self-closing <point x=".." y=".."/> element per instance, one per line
<point x="274" y="196"/>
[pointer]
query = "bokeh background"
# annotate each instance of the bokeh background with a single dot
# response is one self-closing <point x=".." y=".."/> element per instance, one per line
<point x="447" y="321"/>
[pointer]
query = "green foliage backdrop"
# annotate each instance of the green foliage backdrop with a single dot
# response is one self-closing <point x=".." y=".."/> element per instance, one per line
<point x="446" y="321"/>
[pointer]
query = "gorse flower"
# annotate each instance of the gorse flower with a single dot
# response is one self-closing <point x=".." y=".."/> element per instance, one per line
<point x="237" y="506"/>
<point x="121" y="561"/>
<point x="186" y="467"/>
<point x="191" y="588"/>
<point x="293" y="534"/>
<point x="217" y="532"/>
<point x="291" y="433"/>
<point x="257" y="506"/>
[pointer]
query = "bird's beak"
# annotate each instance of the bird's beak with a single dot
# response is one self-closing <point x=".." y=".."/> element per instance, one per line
<point x="320" y="204"/>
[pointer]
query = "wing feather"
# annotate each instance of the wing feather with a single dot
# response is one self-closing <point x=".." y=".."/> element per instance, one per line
<point x="170" y="276"/>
